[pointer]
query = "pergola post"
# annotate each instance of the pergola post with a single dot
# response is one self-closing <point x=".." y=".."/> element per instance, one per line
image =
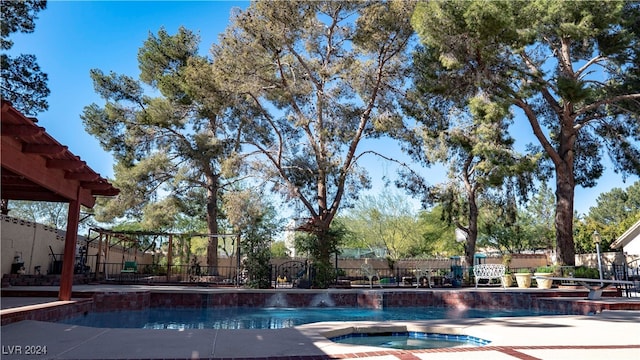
<point x="106" y="256"/>
<point x="169" y="257"/>
<point x="68" y="259"/>
<point x="98" y="260"/>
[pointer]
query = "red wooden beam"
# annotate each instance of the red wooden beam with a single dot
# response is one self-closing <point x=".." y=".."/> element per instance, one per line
<point x="21" y="130"/>
<point x="82" y="176"/>
<point x="65" y="164"/>
<point x="96" y="186"/>
<point x="43" y="149"/>
<point x="33" y="168"/>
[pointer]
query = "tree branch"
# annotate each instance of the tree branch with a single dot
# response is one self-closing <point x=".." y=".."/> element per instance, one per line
<point x="589" y="63"/>
<point x="537" y="130"/>
<point x="608" y="101"/>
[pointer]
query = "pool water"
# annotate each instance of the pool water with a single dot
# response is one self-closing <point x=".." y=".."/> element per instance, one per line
<point x="410" y="340"/>
<point x="273" y="318"/>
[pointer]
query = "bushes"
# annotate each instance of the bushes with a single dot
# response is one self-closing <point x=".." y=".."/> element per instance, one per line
<point x="586" y="272"/>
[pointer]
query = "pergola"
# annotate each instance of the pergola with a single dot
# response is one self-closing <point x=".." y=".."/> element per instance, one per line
<point x="36" y="167"/>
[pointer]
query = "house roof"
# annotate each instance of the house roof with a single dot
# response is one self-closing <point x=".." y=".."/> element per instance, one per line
<point x="624" y="239"/>
<point x="36" y="167"/>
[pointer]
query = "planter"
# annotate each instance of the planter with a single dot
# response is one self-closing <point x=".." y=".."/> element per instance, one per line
<point x="507" y="280"/>
<point x="523" y="280"/>
<point x="543" y="283"/>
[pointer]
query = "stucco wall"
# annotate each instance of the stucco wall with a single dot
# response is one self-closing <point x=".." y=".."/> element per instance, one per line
<point x="30" y="241"/>
<point x="607" y="258"/>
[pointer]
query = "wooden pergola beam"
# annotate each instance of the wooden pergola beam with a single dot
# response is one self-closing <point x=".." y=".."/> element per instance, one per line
<point x="36" y="167"/>
<point x="21" y="130"/>
<point x="65" y="164"/>
<point x="43" y="149"/>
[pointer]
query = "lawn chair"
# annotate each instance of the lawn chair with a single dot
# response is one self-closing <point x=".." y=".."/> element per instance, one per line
<point x="370" y="273"/>
<point x="130" y="267"/>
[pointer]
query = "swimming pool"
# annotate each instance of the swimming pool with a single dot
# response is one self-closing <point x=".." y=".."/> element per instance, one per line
<point x="274" y="318"/>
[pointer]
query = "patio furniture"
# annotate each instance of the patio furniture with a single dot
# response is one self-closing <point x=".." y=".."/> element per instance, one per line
<point x="423" y="273"/>
<point x="130" y="267"/>
<point x="370" y="273"/>
<point x="489" y="271"/>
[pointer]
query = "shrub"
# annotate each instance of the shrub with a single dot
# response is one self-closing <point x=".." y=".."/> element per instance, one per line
<point x="586" y="272"/>
<point x="544" y="269"/>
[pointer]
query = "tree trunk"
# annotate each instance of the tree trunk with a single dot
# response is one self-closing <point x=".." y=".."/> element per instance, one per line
<point x="212" y="224"/>
<point x="563" y="161"/>
<point x="565" y="187"/>
<point x="321" y="231"/>
<point x="472" y="234"/>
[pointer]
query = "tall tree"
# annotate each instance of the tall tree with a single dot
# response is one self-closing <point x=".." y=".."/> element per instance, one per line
<point x="172" y="148"/>
<point x="316" y="78"/>
<point x="467" y="132"/>
<point x="571" y="67"/>
<point x="23" y="82"/>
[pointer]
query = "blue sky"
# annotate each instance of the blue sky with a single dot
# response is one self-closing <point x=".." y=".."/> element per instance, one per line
<point x="73" y="37"/>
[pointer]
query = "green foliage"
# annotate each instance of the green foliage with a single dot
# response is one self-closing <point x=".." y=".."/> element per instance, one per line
<point x="614" y="207"/>
<point x="467" y="134"/>
<point x="459" y="121"/>
<point x="545" y="269"/>
<point x="257" y="261"/>
<point x="416" y="234"/>
<point x="512" y="228"/>
<point x="615" y="211"/>
<point x="586" y="272"/>
<point x="311" y="81"/>
<point x="583" y="236"/>
<point x="306" y="243"/>
<point x="384" y="221"/>
<point x="279" y="250"/>
<point x="52" y="214"/>
<point x="541" y="212"/>
<point x="438" y="236"/>
<point x="171" y="148"/>
<point x="324" y="274"/>
<point x="255" y="221"/>
<point x="23" y="82"/>
<point x="19" y="16"/>
<point x="541" y="57"/>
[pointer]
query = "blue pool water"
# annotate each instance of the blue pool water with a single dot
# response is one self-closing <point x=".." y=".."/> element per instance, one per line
<point x="273" y="318"/>
<point x="411" y="340"/>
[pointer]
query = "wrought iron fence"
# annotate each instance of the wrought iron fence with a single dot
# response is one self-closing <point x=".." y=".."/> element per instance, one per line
<point x="155" y="273"/>
<point x="297" y="273"/>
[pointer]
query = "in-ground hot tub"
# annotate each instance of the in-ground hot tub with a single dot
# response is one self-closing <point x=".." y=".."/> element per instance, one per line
<point x="410" y="337"/>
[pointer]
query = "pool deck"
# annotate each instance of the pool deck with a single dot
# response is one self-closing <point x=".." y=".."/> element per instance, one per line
<point x="609" y="334"/>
